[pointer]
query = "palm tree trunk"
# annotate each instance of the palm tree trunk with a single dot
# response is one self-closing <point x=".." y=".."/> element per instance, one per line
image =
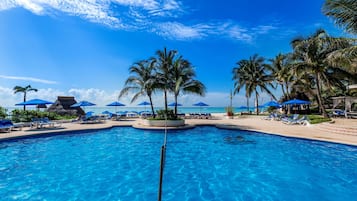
<point x="287" y="90"/>
<point x="24" y="101"/>
<point x="152" y="107"/>
<point x="165" y="99"/>
<point x="175" y="105"/>
<point x="283" y="90"/>
<point x="319" y="98"/>
<point x="247" y="103"/>
<point x="256" y="102"/>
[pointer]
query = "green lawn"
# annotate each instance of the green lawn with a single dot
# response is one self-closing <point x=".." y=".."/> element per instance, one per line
<point x="315" y="119"/>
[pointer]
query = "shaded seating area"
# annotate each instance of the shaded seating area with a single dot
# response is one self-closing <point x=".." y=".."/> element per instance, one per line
<point x="347" y="103"/>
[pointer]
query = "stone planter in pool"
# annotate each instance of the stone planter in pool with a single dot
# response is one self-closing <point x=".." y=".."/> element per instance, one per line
<point x="161" y="123"/>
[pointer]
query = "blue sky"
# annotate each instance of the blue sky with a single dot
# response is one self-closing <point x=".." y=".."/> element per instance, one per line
<point x="72" y="47"/>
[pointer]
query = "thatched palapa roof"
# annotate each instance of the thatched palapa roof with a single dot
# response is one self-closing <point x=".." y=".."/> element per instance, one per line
<point x="63" y="104"/>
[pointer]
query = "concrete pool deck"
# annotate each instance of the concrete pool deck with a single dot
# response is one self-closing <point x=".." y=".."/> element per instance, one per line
<point x="341" y="131"/>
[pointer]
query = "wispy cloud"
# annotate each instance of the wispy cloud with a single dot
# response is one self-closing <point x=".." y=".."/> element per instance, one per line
<point x="161" y="17"/>
<point x="28" y="79"/>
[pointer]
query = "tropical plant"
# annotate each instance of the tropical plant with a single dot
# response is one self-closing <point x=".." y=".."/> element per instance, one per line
<point x="253" y="74"/>
<point x="3" y="112"/>
<point x="182" y="76"/>
<point x="19" y="89"/>
<point x="164" y="64"/>
<point x="312" y="62"/>
<point x="281" y="70"/>
<point x="344" y="12"/>
<point x="142" y="81"/>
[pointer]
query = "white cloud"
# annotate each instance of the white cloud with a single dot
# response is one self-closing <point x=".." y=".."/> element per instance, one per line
<point x="28" y="79"/>
<point x="145" y="4"/>
<point x="264" y="29"/>
<point x="178" y="31"/>
<point x="224" y="29"/>
<point x="145" y="15"/>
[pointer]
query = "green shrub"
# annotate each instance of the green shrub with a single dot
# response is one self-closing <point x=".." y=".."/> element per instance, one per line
<point x="3" y="113"/>
<point x="162" y="115"/>
<point x="315" y="119"/>
<point x="28" y="115"/>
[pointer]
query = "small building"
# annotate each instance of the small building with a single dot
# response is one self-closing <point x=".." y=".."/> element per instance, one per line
<point x="62" y="106"/>
<point x="345" y="101"/>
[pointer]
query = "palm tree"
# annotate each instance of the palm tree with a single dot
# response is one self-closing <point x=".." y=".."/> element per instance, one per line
<point x="19" y="89"/>
<point x="281" y="69"/>
<point x="164" y="64"/>
<point x="344" y="12"/>
<point x="312" y="61"/>
<point x="183" y="80"/>
<point x="142" y="81"/>
<point x="251" y="74"/>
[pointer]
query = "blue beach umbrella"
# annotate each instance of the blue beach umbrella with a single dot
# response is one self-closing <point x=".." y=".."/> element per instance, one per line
<point x="116" y="104"/>
<point x="174" y="104"/>
<point x="35" y="102"/>
<point x="272" y="104"/>
<point x="106" y="112"/>
<point x="201" y="104"/>
<point x="83" y="104"/>
<point x="144" y="103"/>
<point x="38" y="102"/>
<point x="296" y="102"/>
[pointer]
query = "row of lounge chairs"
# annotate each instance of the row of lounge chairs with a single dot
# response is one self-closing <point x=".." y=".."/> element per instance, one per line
<point x="44" y="122"/>
<point x="199" y="116"/>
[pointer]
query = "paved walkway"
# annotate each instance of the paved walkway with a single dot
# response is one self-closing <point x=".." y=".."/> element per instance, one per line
<point x="252" y="123"/>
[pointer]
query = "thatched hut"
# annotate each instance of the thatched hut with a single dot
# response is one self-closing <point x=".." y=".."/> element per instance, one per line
<point x="62" y="106"/>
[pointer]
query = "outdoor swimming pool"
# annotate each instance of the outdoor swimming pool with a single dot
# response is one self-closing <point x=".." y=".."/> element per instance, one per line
<point x="204" y="163"/>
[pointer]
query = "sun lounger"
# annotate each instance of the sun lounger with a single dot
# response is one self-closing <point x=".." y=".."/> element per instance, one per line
<point x="291" y="118"/>
<point x="43" y="122"/>
<point x="339" y="113"/>
<point x="301" y="121"/>
<point x="6" y="125"/>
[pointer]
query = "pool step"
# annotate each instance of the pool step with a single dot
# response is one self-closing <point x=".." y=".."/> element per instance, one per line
<point x="337" y="129"/>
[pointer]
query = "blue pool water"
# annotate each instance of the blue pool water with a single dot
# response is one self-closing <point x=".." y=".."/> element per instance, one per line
<point x="205" y="163"/>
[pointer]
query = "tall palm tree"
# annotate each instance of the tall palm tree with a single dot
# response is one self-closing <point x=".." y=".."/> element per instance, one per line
<point x="281" y="70"/>
<point x="312" y="61"/>
<point x="344" y="12"/>
<point x="183" y="80"/>
<point x="164" y="64"/>
<point x="19" y="89"/>
<point x="253" y="74"/>
<point x="142" y="81"/>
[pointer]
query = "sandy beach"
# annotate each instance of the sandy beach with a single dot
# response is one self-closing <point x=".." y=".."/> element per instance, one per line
<point x="340" y="131"/>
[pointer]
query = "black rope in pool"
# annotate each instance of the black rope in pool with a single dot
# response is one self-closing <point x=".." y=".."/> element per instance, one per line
<point x="162" y="161"/>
